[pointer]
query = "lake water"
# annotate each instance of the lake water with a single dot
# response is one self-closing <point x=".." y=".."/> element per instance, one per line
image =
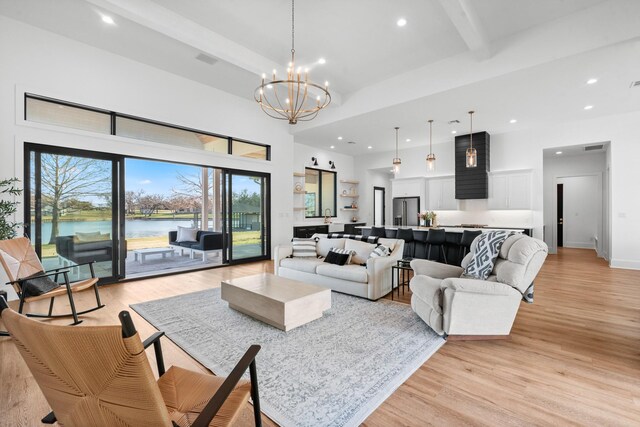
<point x="133" y="227"/>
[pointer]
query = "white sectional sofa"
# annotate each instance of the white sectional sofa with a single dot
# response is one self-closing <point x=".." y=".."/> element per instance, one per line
<point x="372" y="280"/>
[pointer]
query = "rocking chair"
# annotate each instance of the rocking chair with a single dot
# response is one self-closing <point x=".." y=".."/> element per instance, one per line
<point x="21" y="264"/>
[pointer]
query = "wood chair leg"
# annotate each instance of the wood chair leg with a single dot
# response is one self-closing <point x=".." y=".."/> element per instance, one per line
<point x="51" y="305"/>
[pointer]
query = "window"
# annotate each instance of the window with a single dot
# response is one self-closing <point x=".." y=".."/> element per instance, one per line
<point x="52" y="113"/>
<point x="246" y="149"/>
<point x="61" y="113"/>
<point x="320" y="193"/>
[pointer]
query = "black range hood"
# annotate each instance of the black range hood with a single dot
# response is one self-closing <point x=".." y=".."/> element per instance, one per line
<point x="472" y="183"/>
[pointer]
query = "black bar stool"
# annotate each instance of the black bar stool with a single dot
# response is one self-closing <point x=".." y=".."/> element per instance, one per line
<point x="437" y="237"/>
<point x="406" y="234"/>
<point x="465" y="242"/>
<point x="378" y="232"/>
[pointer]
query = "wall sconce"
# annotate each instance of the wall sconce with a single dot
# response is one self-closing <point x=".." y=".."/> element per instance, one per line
<point x="315" y="161"/>
<point x="333" y="165"/>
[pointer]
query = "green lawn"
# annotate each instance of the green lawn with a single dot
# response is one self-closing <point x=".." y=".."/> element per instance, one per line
<point x="105" y="215"/>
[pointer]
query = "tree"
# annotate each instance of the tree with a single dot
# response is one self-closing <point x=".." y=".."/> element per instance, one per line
<point x="151" y="203"/>
<point x="8" y="207"/>
<point x="68" y="177"/>
<point x="131" y="201"/>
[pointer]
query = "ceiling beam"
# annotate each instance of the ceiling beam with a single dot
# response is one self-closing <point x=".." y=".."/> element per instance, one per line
<point x="171" y="24"/>
<point x="469" y="27"/>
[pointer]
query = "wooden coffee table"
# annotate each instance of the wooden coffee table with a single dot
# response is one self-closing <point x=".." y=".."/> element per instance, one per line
<point x="280" y="302"/>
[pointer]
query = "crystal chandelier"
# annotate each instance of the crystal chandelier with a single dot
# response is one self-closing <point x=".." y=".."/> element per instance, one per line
<point x="472" y="154"/>
<point x="431" y="158"/>
<point x="292" y="98"/>
<point x="396" y="161"/>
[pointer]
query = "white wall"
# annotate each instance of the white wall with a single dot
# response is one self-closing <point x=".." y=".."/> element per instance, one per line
<point x="554" y="169"/>
<point x="37" y="61"/>
<point x="524" y="150"/>
<point x="302" y="155"/>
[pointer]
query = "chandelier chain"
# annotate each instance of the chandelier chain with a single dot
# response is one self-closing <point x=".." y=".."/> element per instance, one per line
<point x="293" y="27"/>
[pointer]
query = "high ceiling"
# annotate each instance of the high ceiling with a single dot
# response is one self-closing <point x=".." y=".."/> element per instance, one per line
<point x="507" y="59"/>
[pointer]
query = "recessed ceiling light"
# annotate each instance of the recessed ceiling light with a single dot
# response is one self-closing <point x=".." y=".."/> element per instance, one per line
<point x="592" y="81"/>
<point x="332" y="147"/>
<point x="454" y="132"/>
<point x="369" y="147"/>
<point x="322" y="61"/>
<point x="339" y="138"/>
<point x="558" y="152"/>
<point x="401" y="22"/>
<point x="512" y="121"/>
<point x="107" y="20"/>
<point x="588" y="107"/>
<point x="408" y="140"/>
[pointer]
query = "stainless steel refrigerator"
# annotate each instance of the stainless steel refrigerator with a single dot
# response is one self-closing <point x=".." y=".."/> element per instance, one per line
<point x="406" y="210"/>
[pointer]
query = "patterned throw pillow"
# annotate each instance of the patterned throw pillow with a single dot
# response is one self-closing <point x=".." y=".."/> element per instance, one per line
<point x="380" y="251"/>
<point x="303" y="248"/>
<point x="487" y="249"/>
<point x="344" y="251"/>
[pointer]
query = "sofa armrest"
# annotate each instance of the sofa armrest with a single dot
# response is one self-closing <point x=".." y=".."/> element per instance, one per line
<point x="379" y="272"/>
<point x="210" y="241"/>
<point x="173" y="235"/>
<point x="475" y="286"/>
<point x="437" y="270"/>
<point x="281" y="252"/>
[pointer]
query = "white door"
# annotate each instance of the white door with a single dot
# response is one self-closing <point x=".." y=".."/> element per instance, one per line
<point x="582" y="211"/>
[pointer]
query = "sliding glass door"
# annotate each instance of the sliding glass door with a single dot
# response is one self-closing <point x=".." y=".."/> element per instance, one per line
<point x="247" y="215"/>
<point x="71" y="212"/>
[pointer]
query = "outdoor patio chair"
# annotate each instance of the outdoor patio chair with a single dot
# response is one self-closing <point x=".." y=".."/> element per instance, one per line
<point x="116" y="386"/>
<point x="23" y="269"/>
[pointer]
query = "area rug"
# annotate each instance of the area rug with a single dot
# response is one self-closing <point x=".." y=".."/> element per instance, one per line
<point x="334" y="371"/>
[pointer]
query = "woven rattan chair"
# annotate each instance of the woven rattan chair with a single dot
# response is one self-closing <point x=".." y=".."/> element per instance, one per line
<point x="20" y="262"/>
<point x="100" y="376"/>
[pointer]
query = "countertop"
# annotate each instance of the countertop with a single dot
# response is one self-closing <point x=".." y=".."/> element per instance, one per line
<point x="446" y="229"/>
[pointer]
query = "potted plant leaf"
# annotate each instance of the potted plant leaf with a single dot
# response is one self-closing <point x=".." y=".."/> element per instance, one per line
<point x="8" y="206"/>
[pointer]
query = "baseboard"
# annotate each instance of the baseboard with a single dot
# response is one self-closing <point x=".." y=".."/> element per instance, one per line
<point x="579" y="245"/>
<point x="629" y="264"/>
<point x="477" y="337"/>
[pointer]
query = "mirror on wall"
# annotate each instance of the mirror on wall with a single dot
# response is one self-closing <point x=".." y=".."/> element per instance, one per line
<point x="320" y="193"/>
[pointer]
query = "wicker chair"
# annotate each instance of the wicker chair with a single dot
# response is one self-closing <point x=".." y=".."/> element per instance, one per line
<point x="21" y="263"/>
<point x="100" y="376"/>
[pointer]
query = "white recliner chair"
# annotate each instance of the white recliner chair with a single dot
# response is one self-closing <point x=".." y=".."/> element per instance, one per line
<point x="452" y="305"/>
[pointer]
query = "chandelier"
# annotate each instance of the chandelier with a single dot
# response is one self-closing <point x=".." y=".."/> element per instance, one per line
<point x="292" y="98"/>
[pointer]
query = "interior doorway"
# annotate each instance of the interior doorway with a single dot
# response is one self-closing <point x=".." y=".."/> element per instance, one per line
<point x="379" y="205"/>
<point x="560" y="213"/>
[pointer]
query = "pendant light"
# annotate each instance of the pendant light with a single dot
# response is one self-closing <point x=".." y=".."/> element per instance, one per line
<point x="431" y="158"/>
<point x="396" y="161"/>
<point x="472" y="154"/>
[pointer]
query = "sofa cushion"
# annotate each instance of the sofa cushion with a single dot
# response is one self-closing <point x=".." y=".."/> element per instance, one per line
<point x="337" y="258"/>
<point x="363" y="250"/>
<point x="304" y="248"/>
<point x="352" y="273"/>
<point x="305" y="264"/>
<point x="323" y="246"/>
<point x="187" y="244"/>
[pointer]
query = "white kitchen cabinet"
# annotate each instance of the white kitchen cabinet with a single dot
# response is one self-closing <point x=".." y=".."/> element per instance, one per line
<point x="442" y="194"/>
<point x="413" y="187"/>
<point x="510" y="190"/>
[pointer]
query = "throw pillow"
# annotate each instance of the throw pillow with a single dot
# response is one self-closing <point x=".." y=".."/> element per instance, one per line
<point x="186" y="234"/>
<point x="362" y="250"/>
<point x="486" y="250"/>
<point x="347" y="252"/>
<point x="38" y="286"/>
<point x="303" y="248"/>
<point x="324" y="245"/>
<point x="336" y="258"/>
<point x="87" y="237"/>
<point x="380" y="251"/>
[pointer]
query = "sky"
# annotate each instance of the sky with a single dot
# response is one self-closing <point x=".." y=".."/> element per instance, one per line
<point x="160" y="177"/>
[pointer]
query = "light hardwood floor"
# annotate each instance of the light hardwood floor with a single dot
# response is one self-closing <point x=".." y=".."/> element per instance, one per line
<point x="574" y="356"/>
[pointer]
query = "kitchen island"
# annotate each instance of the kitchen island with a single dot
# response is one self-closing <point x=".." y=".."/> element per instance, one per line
<point x="419" y="248"/>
